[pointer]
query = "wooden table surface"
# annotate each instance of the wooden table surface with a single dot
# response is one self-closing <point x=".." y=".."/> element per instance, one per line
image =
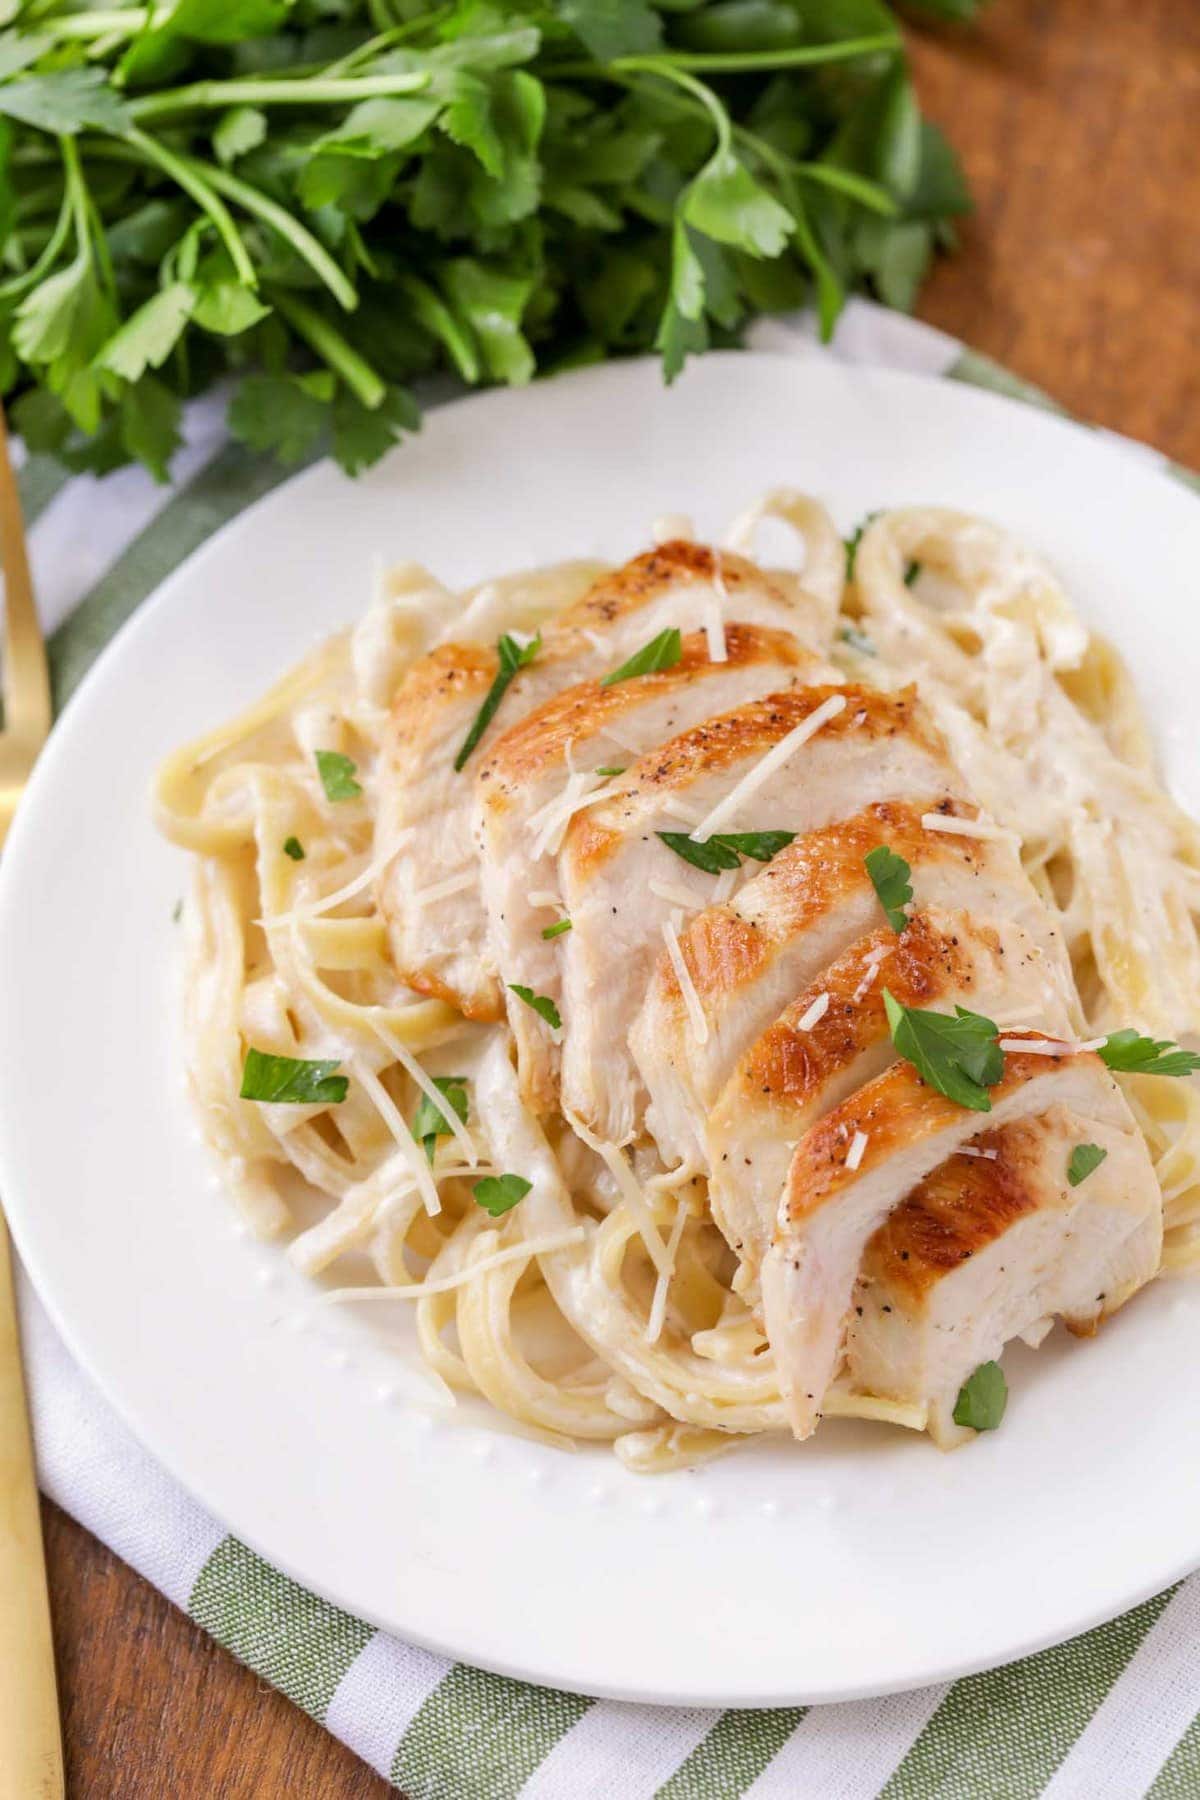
<point x="1077" y="121"/>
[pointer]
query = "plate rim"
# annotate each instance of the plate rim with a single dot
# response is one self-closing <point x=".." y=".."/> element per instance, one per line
<point x="22" y="1217"/>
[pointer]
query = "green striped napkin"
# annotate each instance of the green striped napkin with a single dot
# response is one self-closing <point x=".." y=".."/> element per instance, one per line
<point x="1113" y="1715"/>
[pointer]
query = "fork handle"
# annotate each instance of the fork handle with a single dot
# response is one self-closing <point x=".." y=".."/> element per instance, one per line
<point x="31" y="1763"/>
<point x="26" y="677"/>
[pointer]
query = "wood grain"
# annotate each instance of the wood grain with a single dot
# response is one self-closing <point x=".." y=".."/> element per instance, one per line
<point x="1077" y="121"/>
<point x="1078" y="124"/>
<point x="153" y="1709"/>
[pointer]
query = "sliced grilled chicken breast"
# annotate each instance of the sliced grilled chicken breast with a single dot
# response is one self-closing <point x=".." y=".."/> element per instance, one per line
<point x="555" y="750"/>
<point x="829" y="1211"/>
<point x="989" y="1247"/>
<point x="797" y="1071"/>
<point x="749" y="956"/>
<point x="621" y="884"/>
<point x="428" y="889"/>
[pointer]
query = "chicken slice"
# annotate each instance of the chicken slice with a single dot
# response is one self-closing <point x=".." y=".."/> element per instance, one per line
<point x="750" y="955"/>
<point x="991" y="1247"/>
<point x="828" y="1211"/>
<point x="808" y="1060"/>
<point x="621" y="884"/>
<point x="428" y="887"/>
<point x="551" y="756"/>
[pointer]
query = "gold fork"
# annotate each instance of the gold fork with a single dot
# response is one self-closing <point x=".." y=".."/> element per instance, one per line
<point x="30" y="1736"/>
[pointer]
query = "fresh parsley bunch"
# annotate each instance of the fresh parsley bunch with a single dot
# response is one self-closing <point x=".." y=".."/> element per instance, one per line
<point x="326" y="199"/>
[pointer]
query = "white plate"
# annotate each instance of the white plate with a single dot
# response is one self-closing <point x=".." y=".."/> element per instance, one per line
<point x="864" y="1562"/>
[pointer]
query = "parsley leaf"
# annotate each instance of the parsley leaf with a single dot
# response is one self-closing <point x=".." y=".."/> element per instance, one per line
<point x="608" y="770"/>
<point x="852" y="543"/>
<point x="320" y="202"/>
<point x="430" y="1121"/>
<point x="1134" y="1054"/>
<point x="149" y="335"/>
<point x="498" y="1194"/>
<point x="513" y="656"/>
<point x="291" y="1081"/>
<point x="337" y="774"/>
<point x="282" y="413"/>
<point x="662" y="652"/>
<point x="542" y="1005"/>
<point x="294" y="848"/>
<point x="957" y="1055"/>
<point x="725" y="849"/>
<point x="857" y="640"/>
<point x="612" y="28"/>
<point x="982" y="1400"/>
<point x="1084" y="1158"/>
<point x="65" y="102"/>
<point x="241" y="129"/>
<point x="889" y="877"/>
<point x="557" y="929"/>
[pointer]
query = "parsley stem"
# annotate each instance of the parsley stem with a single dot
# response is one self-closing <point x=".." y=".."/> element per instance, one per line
<point x="668" y="71"/>
<point x="254" y="201"/>
<point x="276" y="91"/>
<point x="297" y="235"/>
<point x="123" y="22"/>
<point x="726" y="62"/>
<point x="76" y="192"/>
<point x="19" y="284"/>
<point x="332" y="347"/>
<point x="191" y="177"/>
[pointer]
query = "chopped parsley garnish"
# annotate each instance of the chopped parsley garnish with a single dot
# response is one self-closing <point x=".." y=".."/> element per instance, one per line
<point x="557" y="929"/>
<point x="513" y="656"/>
<point x="982" y="1400"/>
<point x="1084" y="1159"/>
<point x="1133" y="1054"/>
<point x="337" y="774"/>
<point x="294" y="848"/>
<point x="956" y="1054"/>
<point x="853" y="541"/>
<point x="662" y="652"/>
<point x="911" y="573"/>
<point x="430" y="1121"/>
<point x="542" y="1004"/>
<point x="290" y="1081"/>
<point x="889" y="877"/>
<point x="726" y="849"/>
<point x="498" y="1194"/>
<point x="857" y="640"/>
<point x="607" y="770"/>
<point x="177" y="912"/>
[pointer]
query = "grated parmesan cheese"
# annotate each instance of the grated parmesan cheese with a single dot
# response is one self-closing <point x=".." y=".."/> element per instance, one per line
<point x="984" y="1155"/>
<point x="362" y="880"/>
<point x="388" y="1111"/>
<point x="870" y="970"/>
<point x="542" y="897"/>
<point x="683" y="976"/>
<point x="858" y="1145"/>
<point x="669" y="526"/>
<point x="814" y="1014"/>
<point x="727" y="880"/>
<point x="629" y="1188"/>
<point x="1038" y="1046"/>
<point x="675" y="808"/>
<point x="442" y="890"/>
<point x="417" y="1290"/>
<point x="658" y="1306"/>
<point x="968" y="828"/>
<point x="550" y="821"/>
<point x="432" y="1093"/>
<point x="677" y="896"/>
<point x="766" y="766"/>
